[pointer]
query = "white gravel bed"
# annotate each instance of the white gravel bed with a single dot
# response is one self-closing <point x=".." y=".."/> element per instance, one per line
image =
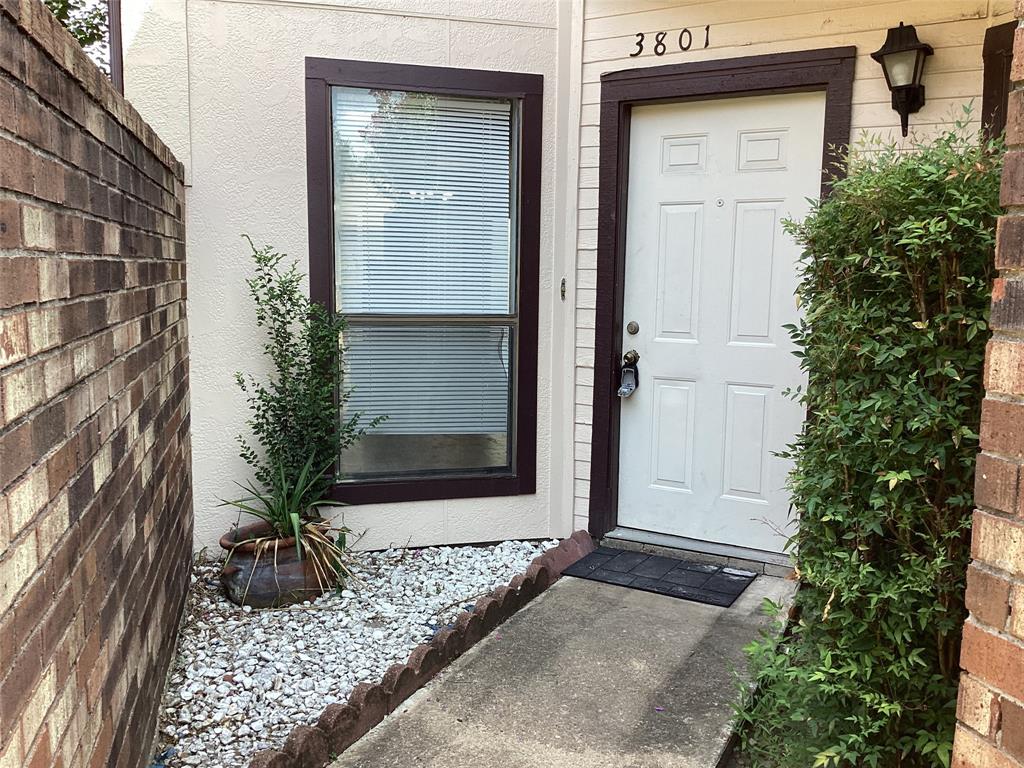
<point x="243" y="678"/>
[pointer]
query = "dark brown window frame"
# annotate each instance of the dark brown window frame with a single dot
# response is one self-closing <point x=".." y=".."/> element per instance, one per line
<point x="321" y="75"/>
<point x="827" y="69"/>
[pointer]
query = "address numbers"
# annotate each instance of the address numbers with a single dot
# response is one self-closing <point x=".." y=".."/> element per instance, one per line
<point x="685" y="40"/>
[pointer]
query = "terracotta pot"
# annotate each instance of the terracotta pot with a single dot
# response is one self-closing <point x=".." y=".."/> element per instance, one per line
<point x="268" y="580"/>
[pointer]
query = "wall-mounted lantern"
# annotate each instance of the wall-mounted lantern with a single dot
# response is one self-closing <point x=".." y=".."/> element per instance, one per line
<point x="902" y="59"/>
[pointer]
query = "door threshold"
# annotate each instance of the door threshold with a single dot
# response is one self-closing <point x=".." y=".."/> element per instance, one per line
<point x="772" y="563"/>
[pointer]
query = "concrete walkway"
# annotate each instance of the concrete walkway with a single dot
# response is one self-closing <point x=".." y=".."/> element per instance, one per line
<point x="588" y="675"/>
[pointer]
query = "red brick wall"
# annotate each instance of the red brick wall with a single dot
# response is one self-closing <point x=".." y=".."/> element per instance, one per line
<point x="991" y="706"/>
<point x="95" y="509"/>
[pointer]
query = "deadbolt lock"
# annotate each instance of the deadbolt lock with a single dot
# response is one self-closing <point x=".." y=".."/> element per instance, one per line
<point x="632" y="327"/>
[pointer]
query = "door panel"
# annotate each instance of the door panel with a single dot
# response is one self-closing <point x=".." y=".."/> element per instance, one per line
<point x="679" y="246"/>
<point x="710" y="279"/>
<point x="671" y="426"/>
<point x="746" y="422"/>
<point x="753" y="265"/>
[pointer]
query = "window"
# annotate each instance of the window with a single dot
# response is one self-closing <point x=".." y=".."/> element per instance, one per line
<point x="424" y="187"/>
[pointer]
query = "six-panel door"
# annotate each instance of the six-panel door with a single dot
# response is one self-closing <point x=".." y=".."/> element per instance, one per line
<point x="710" y="280"/>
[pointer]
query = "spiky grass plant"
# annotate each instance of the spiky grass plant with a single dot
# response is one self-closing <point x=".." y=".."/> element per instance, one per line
<point x="287" y="511"/>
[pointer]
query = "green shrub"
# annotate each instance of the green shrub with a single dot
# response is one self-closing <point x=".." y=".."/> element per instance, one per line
<point x="296" y="412"/>
<point x="895" y="289"/>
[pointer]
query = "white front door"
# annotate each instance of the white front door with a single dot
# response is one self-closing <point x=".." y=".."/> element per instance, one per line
<point x="710" y="279"/>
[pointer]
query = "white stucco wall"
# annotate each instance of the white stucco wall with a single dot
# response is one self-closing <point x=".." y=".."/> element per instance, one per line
<point x="223" y="82"/>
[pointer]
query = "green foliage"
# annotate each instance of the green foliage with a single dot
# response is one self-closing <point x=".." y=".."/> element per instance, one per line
<point x="86" y="20"/>
<point x="284" y="504"/>
<point x="895" y="289"/>
<point x="296" y="412"/>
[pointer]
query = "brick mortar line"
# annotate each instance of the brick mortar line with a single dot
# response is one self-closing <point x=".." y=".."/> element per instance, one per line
<point x="174" y="621"/>
<point x="999" y="750"/>
<point x="1011" y="517"/>
<point x="68" y="301"/>
<point x="75" y="345"/>
<point x="134" y="564"/>
<point x="40" y="253"/>
<point x="85" y="298"/>
<point x="994" y="688"/>
<point x="28" y="529"/>
<point x="151" y="142"/>
<point x="29" y="253"/>
<point x="57" y="112"/>
<point x="7" y="193"/>
<point x="1005" y="517"/>
<point x="984" y="566"/>
<point x="59" y="737"/>
<point x="15" y="139"/>
<point x="1010" y="398"/>
<point x="961" y="724"/>
<point x="88" y="626"/>
<point x="82" y="130"/>
<point x="1001" y="634"/>
<point x="1008" y="458"/>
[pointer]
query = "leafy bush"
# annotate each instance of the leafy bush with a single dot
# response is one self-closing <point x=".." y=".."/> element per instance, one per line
<point x="87" y="22"/>
<point x="296" y="412"/>
<point x="895" y="288"/>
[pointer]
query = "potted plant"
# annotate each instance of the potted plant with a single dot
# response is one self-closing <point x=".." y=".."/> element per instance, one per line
<point x="290" y="553"/>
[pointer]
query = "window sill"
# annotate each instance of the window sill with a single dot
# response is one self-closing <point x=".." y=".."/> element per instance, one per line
<point x="431" y="489"/>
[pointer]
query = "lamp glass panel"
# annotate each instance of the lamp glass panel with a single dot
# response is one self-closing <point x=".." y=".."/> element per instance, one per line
<point x="900" y="67"/>
<point x="919" y="65"/>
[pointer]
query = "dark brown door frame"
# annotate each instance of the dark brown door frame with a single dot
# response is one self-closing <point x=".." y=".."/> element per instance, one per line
<point x="828" y="69"/>
<point x="996" y="55"/>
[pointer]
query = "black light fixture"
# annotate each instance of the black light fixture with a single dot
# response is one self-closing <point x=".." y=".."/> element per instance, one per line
<point x="902" y="59"/>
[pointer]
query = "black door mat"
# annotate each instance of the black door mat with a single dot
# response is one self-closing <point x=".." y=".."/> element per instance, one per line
<point x="700" y="582"/>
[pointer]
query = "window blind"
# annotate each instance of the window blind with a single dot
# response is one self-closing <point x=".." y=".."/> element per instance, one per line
<point x="431" y="379"/>
<point x="424" y="212"/>
<point x="422" y="203"/>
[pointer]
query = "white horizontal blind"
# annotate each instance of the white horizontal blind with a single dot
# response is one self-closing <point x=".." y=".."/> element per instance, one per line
<point x="422" y="203"/>
<point x="455" y="381"/>
<point x="423" y="210"/>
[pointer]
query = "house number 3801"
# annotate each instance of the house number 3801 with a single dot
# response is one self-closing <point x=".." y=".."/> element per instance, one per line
<point x="685" y="41"/>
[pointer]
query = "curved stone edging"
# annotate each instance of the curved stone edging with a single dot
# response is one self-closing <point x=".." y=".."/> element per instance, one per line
<point x="341" y="725"/>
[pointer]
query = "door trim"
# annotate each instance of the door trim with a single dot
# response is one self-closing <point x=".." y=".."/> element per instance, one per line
<point x="826" y="69"/>
<point x="996" y="55"/>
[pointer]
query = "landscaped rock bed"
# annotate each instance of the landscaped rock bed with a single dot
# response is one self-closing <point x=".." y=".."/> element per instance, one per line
<point x="243" y="678"/>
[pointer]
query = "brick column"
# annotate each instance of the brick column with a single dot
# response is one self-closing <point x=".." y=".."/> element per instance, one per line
<point x="95" y="484"/>
<point x="990" y="732"/>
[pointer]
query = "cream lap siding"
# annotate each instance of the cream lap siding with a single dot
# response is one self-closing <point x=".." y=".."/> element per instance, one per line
<point x="953" y="76"/>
